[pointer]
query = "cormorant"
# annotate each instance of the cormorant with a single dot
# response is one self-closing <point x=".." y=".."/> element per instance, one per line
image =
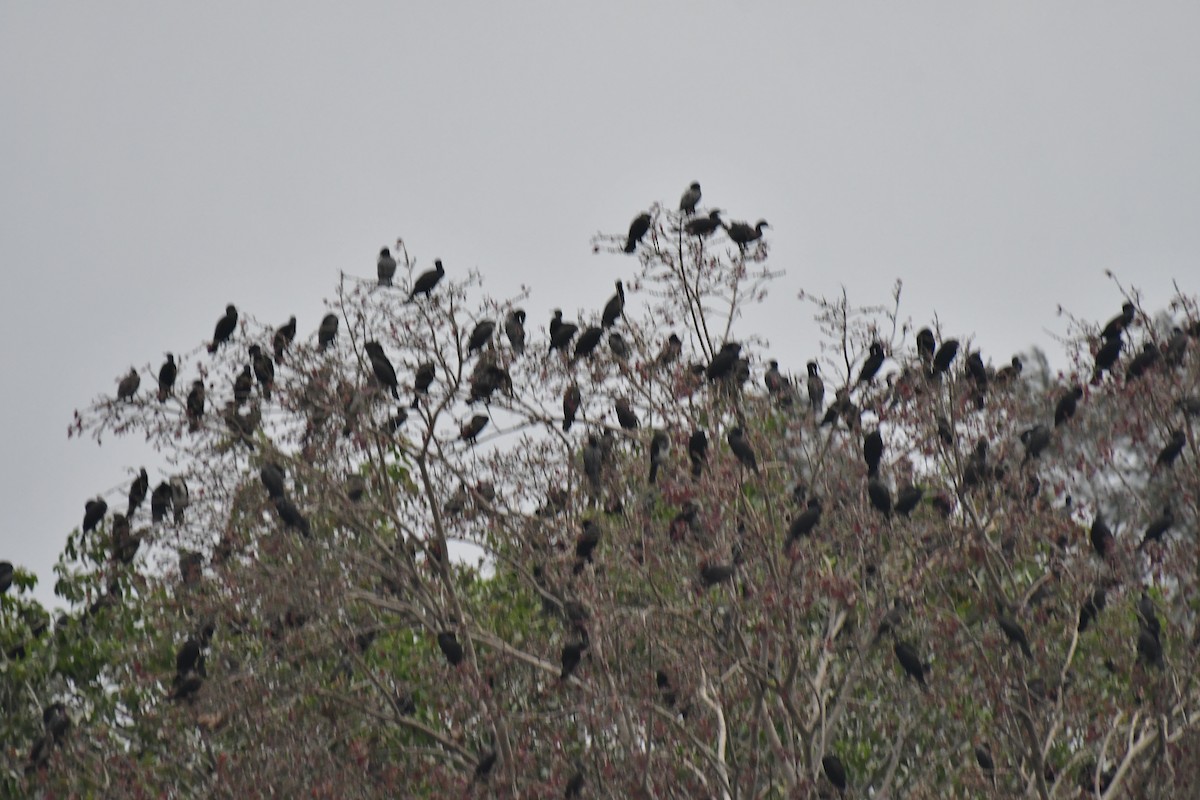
<point x="625" y="414"/>
<point x="327" y="332"/>
<point x="195" y="405"/>
<point x="385" y="267"/>
<point x="906" y="654"/>
<point x="561" y="333"/>
<point x="514" y="329"/>
<point x="1067" y="405"/>
<point x="424" y="378"/>
<point x="1091" y="608"/>
<point x="166" y="378"/>
<point x="224" y="328"/>
<point x="687" y="203"/>
<point x="451" y="649"/>
<point x="658" y="448"/>
<point x="138" y="491"/>
<point x="481" y="335"/>
<point x="880" y="495"/>
<point x="804" y="522"/>
<point x="712" y="574"/>
<point x="290" y="515"/>
<point x="1036" y="440"/>
<point x="1107" y="356"/>
<point x="1014" y="632"/>
<point x="1006" y="375"/>
<point x="571" y="401"/>
<point x="926" y="345"/>
<point x="264" y="370"/>
<point x="724" y="361"/>
<point x="1143" y="361"/>
<point x="944" y="356"/>
<point x="128" y="386"/>
<point x="614" y="308"/>
<point x="1158" y="526"/>
<point x="284" y="335"/>
<point x="616" y="343"/>
<point x="873" y="451"/>
<point x="93" y="512"/>
<point x="741" y="448"/>
<point x="485" y="765"/>
<point x="704" y="226"/>
<point x="741" y="234"/>
<point x="587" y="343"/>
<point x="593" y="461"/>
<point x="983" y="757"/>
<point x="777" y="385"/>
<point x="272" y="479"/>
<point x="427" y="280"/>
<point x="1174" y="446"/>
<point x="572" y="654"/>
<point x="835" y="771"/>
<point x="907" y="499"/>
<point x="816" y="388"/>
<point x="698" y="451"/>
<point x="637" y="230"/>
<point x="471" y="430"/>
<point x="1117" y="325"/>
<point x="1101" y="537"/>
<point x="242" y="385"/>
<point x="160" y="501"/>
<point x="180" y="498"/>
<point x="670" y="351"/>
<point x="872" y="364"/>
<point x="385" y="373"/>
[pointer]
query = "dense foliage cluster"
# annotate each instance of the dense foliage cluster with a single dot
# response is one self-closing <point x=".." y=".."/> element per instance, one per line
<point x="434" y="549"/>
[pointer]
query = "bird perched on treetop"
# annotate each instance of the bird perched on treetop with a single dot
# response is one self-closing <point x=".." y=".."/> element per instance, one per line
<point x="625" y="415"/>
<point x="698" y="451"/>
<point x="327" y="332"/>
<point x="637" y="230"/>
<point x="426" y="374"/>
<point x="571" y="401"/>
<point x="284" y="335"/>
<point x="741" y="234"/>
<point x="224" y="329"/>
<point x="1066" y="406"/>
<point x="128" y="386"/>
<point x="670" y="351"/>
<point x="561" y="333"/>
<point x="385" y="373"/>
<point x="741" y="448"/>
<point x="1117" y="325"/>
<point x="724" y="361"/>
<point x="614" y="307"/>
<point x="587" y="343"/>
<point x="264" y="370"/>
<point x="687" y="203"/>
<point x="93" y="512"/>
<point x="514" y="329"/>
<point x="704" y="226"/>
<point x="195" y="405"/>
<point x="872" y="364"/>
<point x="926" y="345"/>
<point x="138" y="491"/>
<point x="385" y="267"/>
<point x="166" y="378"/>
<point x="471" y="430"/>
<point x="481" y="335"/>
<point x="816" y="388"/>
<point x="944" y="356"/>
<point x="777" y="385"/>
<point x="427" y="280"/>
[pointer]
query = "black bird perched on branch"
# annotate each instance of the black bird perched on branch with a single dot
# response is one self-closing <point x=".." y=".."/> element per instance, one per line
<point x="1091" y="608"/>
<point x="327" y="332"/>
<point x="480" y="335"/>
<point x="880" y="495"/>
<point x="264" y="370"/>
<point x="712" y="574"/>
<point x="1143" y="361"/>
<point x="284" y="335"/>
<point x="1158" y="526"/>
<point x="724" y="361"/>
<point x="1036" y="440"/>
<point x="618" y="345"/>
<point x="1006" y="375"/>
<point x="704" y="226"/>
<point x="687" y="203"/>
<point x="983" y="757"/>
<point x="669" y="353"/>
<point x="816" y="388"/>
<point x="1174" y="446"/>
<point x="160" y="501"/>
<point x="907" y="499"/>
<point x="385" y="267"/>
<point x="574" y="785"/>
<point x="637" y="231"/>
<point x="926" y="345"/>
<point x="1013" y="630"/>
<point x="242" y="385"/>
<point x="777" y="385"/>
<point x="805" y="521"/>
<point x="180" y="498"/>
<point x="587" y="343"/>
<point x="6" y="576"/>
<point x="188" y="658"/>
<point x="586" y="544"/>
<point x="561" y="333"/>
<point x="137" y="491"/>
<point x="572" y="398"/>
<point x="1101" y="537"/>
<point x="272" y="479"/>
<point x="427" y="280"/>
<point x="658" y="448"/>
<point x="1065" y="409"/>
<point x="166" y="378"/>
<point x="741" y="448"/>
<point x="944" y="357"/>
<point x="514" y="329"/>
<point x="424" y="378"/>
<point x="835" y="771"/>
<point x="872" y="364"/>
<point x="290" y="515"/>
<point x="698" y="451"/>
<point x="1117" y="325"/>
<point x="93" y="512"/>
<point x="195" y="405"/>
<point x="741" y="234"/>
<point x="128" y="386"/>
<point x="906" y="654"/>
<point x="451" y="649"/>
<point x="572" y="655"/>
<point x="625" y="414"/>
<point x="471" y="430"/>
<point x="614" y="308"/>
<point x="1107" y="356"/>
<point x="485" y="765"/>
<point x="873" y="451"/>
<point x="385" y="373"/>
<point x="593" y="463"/>
<point x="224" y="328"/>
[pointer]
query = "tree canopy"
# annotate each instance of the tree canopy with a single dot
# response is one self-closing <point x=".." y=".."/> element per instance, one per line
<point x="432" y="547"/>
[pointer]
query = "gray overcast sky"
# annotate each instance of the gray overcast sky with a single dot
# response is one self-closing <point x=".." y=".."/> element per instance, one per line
<point x="157" y="162"/>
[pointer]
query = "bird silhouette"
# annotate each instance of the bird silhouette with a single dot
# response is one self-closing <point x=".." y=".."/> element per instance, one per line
<point x="224" y="328"/>
<point x="637" y="231"/>
<point x="691" y="196"/>
<point x="385" y="267"/>
<point x="427" y="280"/>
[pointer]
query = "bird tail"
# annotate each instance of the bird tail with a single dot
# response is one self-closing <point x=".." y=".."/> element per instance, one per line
<point x="653" y="471"/>
<point x="212" y="347"/>
<point x="630" y="245"/>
